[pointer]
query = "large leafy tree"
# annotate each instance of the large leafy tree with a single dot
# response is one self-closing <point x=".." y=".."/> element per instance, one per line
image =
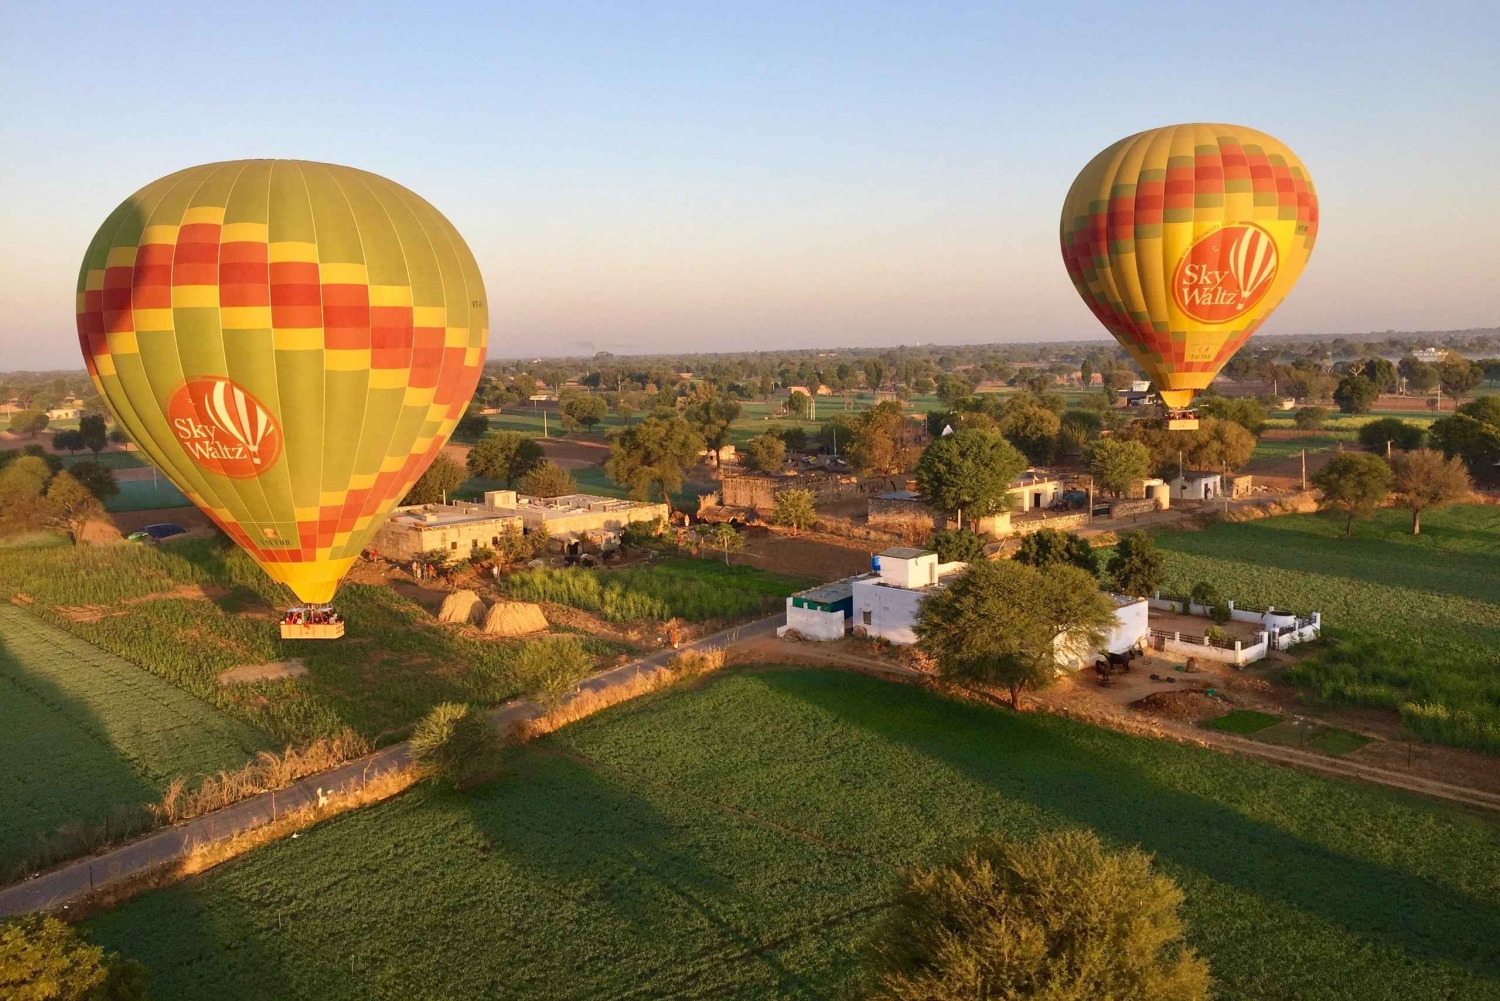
<point x="1420" y="376"/>
<point x="548" y="479"/>
<point x="1245" y="411"/>
<point x="1398" y="433"/>
<point x="44" y="959"/>
<point x="1426" y="480"/>
<point x="1031" y="427"/>
<point x="1355" y="483"/>
<point x="443" y="476"/>
<point x="651" y="456"/>
<point x="28" y="422"/>
<point x="1049" y="547"/>
<point x="98" y="478"/>
<point x="765" y="452"/>
<point x="959" y="545"/>
<point x="1054" y="919"/>
<point x="505" y="456"/>
<point x="794" y="509"/>
<point x="1116" y="463"/>
<point x="1137" y="566"/>
<point x="1355" y="394"/>
<point x="584" y="411"/>
<point x="473" y="423"/>
<point x="969" y="470"/>
<point x="880" y="444"/>
<point x="74" y="505"/>
<point x="998" y="623"/>
<point x="1379" y="371"/>
<point x="1457" y="376"/>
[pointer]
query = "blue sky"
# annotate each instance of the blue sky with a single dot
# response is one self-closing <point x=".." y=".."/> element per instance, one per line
<point x="638" y="177"/>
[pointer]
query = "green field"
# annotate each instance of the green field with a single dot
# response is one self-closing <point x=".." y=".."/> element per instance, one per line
<point x="1417" y="618"/>
<point x="693" y="589"/>
<point x="393" y="665"/>
<point x="86" y="738"/>
<point x="1242" y="721"/>
<point x="114" y="460"/>
<point x="145" y="495"/>
<point x="736" y="840"/>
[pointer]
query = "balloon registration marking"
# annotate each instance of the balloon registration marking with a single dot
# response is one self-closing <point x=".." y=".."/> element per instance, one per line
<point x="223" y="428"/>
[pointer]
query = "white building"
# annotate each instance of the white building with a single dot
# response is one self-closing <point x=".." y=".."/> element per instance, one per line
<point x="464" y="526"/>
<point x="822" y="612"/>
<point x="886" y="602"/>
<point x="1197" y="485"/>
<point x="1130" y="628"/>
<point x="1033" y="490"/>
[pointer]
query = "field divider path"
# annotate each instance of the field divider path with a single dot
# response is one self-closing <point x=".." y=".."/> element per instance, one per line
<point x="73" y="880"/>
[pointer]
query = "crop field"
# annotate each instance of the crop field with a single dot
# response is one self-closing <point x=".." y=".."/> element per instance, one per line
<point x="631" y="856"/>
<point x="694" y="590"/>
<point x="186" y="612"/>
<point x="87" y="738"/>
<point x="114" y="460"/>
<point x="1417" y="618"/>
<point x="146" y="495"/>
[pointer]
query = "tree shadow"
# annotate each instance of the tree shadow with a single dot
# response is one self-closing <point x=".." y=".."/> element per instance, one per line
<point x="1188" y="832"/>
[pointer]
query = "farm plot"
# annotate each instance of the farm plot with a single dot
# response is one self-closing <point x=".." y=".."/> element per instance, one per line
<point x="630" y="856"/>
<point x="190" y="611"/>
<point x="694" y="590"/>
<point x="1416" y="618"/>
<point x="87" y="738"/>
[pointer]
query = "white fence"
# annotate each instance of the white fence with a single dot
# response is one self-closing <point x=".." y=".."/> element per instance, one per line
<point x="1280" y="630"/>
<point x="1228" y="651"/>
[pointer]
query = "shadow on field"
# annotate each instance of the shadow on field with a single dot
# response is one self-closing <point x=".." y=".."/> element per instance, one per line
<point x="601" y="846"/>
<point x="201" y="945"/>
<point x="64" y="787"/>
<point x="1121" y="803"/>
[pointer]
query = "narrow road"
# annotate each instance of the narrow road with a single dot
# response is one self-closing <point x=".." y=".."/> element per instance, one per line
<point x="74" y="879"/>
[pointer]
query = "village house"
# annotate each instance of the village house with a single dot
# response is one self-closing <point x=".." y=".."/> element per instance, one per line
<point x="461" y="527"/>
<point x="1199" y="485"/>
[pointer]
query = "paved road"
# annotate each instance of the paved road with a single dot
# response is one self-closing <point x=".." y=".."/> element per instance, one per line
<point x="61" y="885"/>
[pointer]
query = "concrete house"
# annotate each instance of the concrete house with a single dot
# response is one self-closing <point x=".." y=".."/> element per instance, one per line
<point x="886" y="601"/>
<point x="1199" y="485"/>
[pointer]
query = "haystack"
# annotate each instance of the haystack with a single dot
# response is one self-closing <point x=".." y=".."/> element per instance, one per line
<point x="462" y="607"/>
<point x="514" y="618"/>
<point x="99" y="533"/>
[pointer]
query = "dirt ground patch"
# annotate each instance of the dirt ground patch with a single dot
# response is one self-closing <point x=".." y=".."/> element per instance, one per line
<point x="1179" y="705"/>
<point x="97" y="613"/>
<point x="816" y="558"/>
<point x="293" y="668"/>
<point x="1195" y="625"/>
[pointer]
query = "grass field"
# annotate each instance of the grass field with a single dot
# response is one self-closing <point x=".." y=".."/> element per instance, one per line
<point x="145" y="495"/>
<point x="692" y="589"/>
<point x="736" y="840"/>
<point x="1417" y="617"/>
<point x="393" y="665"/>
<point x="86" y="737"/>
<point x="1242" y="721"/>
<point x="114" y="460"/>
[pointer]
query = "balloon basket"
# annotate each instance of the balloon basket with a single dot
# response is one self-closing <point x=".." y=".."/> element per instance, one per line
<point x="311" y="623"/>
<point x="1181" y="420"/>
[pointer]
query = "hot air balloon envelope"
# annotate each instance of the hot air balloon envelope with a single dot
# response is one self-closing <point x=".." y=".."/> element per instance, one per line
<point x="1183" y="239"/>
<point x="291" y="343"/>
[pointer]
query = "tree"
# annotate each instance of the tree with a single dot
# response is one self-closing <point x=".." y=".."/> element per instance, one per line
<point x="473" y="424"/>
<point x="1426" y="480"/>
<point x="457" y="742"/>
<point x="1476" y="442"/>
<point x="1242" y="410"/>
<point x="1399" y="433"/>
<point x="1000" y="622"/>
<point x="443" y="476"/>
<point x="1050" y="547"/>
<point x="1078" y="426"/>
<point x="1457" y="376"/>
<point x="43" y="959"/>
<point x="794" y="509"/>
<point x="1058" y="918"/>
<point x="765" y="452"/>
<point x="1420" y="376"/>
<point x="969" y="471"/>
<point x="722" y="537"/>
<point x="874" y="372"/>
<point x="28" y="422"/>
<point x="1137" y="566"/>
<point x="1354" y="482"/>
<point x="1380" y="372"/>
<point x="583" y="412"/>
<point x="1217" y="444"/>
<point x="794" y="436"/>
<point x="68" y="441"/>
<point x="879" y="445"/>
<point x="1355" y="394"/>
<point x="799" y="404"/>
<point x="653" y="454"/>
<point x="98" y="478"/>
<point x="505" y="456"/>
<point x="1086" y="373"/>
<point x="1485" y="410"/>
<point x="1031" y="427"/>
<point x="959" y="545"/>
<point x="1310" y="418"/>
<point x="73" y="504"/>
<point x="548" y="479"/>
<point x="1116" y="464"/>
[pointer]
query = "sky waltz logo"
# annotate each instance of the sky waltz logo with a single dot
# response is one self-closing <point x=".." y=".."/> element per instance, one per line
<point x="1225" y="273"/>
<point x="224" y="428"/>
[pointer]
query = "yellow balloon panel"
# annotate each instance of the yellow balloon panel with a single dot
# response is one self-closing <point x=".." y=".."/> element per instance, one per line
<point x="1183" y="239"/>
<point x="291" y="343"/>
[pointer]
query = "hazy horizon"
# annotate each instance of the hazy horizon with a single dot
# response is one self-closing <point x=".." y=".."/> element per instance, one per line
<point x="675" y="179"/>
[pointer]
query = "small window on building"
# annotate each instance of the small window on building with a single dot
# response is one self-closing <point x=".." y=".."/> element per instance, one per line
<point x="453" y="545"/>
<point x="473" y="543"/>
<point x="865" y="616"/>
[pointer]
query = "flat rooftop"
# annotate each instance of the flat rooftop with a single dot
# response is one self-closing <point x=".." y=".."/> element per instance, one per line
<point x="833" y="591"/>
<point x="901" y="495"/>
<point x="576" y="504"/>
<point x="904" y="552"/>
<point x="448" y="515"/>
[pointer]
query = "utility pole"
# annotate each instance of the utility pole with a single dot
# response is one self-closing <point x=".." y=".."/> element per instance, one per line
<point x="1388" y="449"/>
<point x="544" y="424"/>
<point x="1304" y="470"/>
<point x="1091" y="500"/>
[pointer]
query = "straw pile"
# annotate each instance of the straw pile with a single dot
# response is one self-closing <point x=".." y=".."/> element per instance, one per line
<point x="462" y="607"/>
<point x="514" y="618"/>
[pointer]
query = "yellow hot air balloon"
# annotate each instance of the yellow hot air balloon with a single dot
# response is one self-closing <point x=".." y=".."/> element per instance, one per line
<point x="291" y="343"/>
<point x="1183" y="239"/>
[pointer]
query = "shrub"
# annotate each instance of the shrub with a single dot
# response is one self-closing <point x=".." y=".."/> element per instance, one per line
<point x="1220" y="612"/>
<point x="1137" y="566"/>
<point x="549" y="667"/>
<point x="795" y="509"/>
<point x="1058" y="918"/>
<point x="1205" y="593"/>
<point x="959" y="545"/>
<point x="1399" y="433"/>
<point x="43" y="959"/>
<point x="458" y="742"/>
<point x="1310" y="418"/>
<point x="1214" y="634"/>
